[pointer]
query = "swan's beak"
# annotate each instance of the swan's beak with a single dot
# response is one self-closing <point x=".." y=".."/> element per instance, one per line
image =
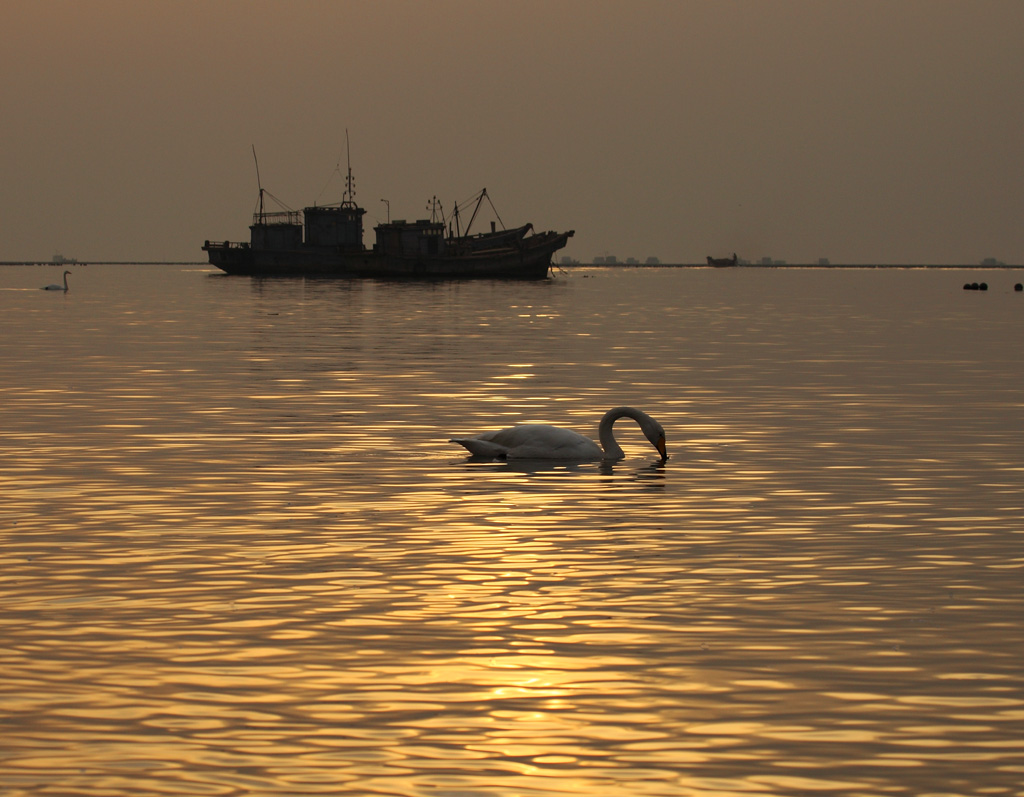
<point x="660" y="445"/>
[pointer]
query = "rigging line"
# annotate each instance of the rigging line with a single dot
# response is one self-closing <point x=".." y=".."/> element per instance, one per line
<point x="465" y="203"/>
<point x="283" y="205"/>
<point x="494" y="209"/>
<point x="330" y="179"/>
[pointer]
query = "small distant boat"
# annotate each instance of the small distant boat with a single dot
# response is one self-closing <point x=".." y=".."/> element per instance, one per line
<point x="327" y="241"/>
<point x="722" y="261"/>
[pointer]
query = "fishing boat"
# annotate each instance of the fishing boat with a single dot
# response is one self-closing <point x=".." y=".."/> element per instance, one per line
<point x="722" y="261"/>
<point x="327" y="241"/>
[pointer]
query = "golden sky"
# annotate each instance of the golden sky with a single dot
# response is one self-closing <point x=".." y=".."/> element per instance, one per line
<point x="864" y="131"/>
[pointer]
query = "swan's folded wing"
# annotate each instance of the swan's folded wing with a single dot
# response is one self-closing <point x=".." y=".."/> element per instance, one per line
<point x="531" y="441"/>
<point x="540" y="441"/>
<point x="480" y="448"/>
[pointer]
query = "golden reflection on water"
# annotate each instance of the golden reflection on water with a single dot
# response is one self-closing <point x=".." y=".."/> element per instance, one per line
<point x="238" y="556"/>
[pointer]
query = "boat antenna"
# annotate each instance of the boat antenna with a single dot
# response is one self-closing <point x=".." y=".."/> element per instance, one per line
<point x="259" y="183"/>
<point x="435" y="208"/>
<point x="349" y="198"/>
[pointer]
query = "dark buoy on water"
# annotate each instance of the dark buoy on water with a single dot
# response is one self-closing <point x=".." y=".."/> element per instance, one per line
<point x="1018" y="287"/>
<point x="983" y="286"/>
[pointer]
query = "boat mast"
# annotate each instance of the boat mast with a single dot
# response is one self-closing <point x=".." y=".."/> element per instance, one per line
<point x="259" y="183"/>
<point x="479" y="202"/>
<point x="349" y="197"/>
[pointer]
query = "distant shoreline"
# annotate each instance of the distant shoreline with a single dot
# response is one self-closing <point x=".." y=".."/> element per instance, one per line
<point x="566" y="266"/>
<point x="104" y="263"/>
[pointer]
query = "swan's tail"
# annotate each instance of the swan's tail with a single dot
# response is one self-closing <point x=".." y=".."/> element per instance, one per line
<point x="480" y="448"/>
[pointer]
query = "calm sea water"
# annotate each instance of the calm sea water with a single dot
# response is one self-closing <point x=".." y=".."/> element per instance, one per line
<point x="240" y="558"/>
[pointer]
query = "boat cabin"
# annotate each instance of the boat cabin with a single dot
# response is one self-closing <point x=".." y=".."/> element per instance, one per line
<point x="416" y="239"/>
<point x="337" y="226"/>
<point x="276" y="230"/>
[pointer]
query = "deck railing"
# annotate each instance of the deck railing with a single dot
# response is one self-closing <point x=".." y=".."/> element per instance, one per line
<point x="278" y="217"/>
<point x="225" y="245"/>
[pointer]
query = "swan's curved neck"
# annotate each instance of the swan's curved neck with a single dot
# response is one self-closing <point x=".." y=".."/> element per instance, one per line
<point x="612" y="450"/>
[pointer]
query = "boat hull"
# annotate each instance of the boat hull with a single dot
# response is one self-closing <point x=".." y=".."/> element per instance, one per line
<point x="529" y="259"/>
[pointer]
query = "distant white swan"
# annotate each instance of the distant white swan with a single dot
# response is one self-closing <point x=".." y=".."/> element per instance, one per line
<point x="539" y="441"/>
<point x="56" y="287"/>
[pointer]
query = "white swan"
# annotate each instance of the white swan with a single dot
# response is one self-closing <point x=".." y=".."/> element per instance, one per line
<point x="56" y="287"/>
<point x="539" y="441"/>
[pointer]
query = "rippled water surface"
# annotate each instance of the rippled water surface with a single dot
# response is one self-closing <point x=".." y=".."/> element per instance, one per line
<point x="240" y="558"/>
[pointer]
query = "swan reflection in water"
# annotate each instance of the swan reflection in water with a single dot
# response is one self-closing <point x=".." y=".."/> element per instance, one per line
<point x="534" y="441"/>
<point x="533" y="467"/>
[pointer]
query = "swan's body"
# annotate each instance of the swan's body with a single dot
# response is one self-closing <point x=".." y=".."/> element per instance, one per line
<point x="539" y="441"/>
<point x="56" y="287"/>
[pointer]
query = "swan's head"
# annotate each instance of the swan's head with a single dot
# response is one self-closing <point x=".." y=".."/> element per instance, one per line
<point x="655" y="432"/>
<point x="660" y="445"/>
